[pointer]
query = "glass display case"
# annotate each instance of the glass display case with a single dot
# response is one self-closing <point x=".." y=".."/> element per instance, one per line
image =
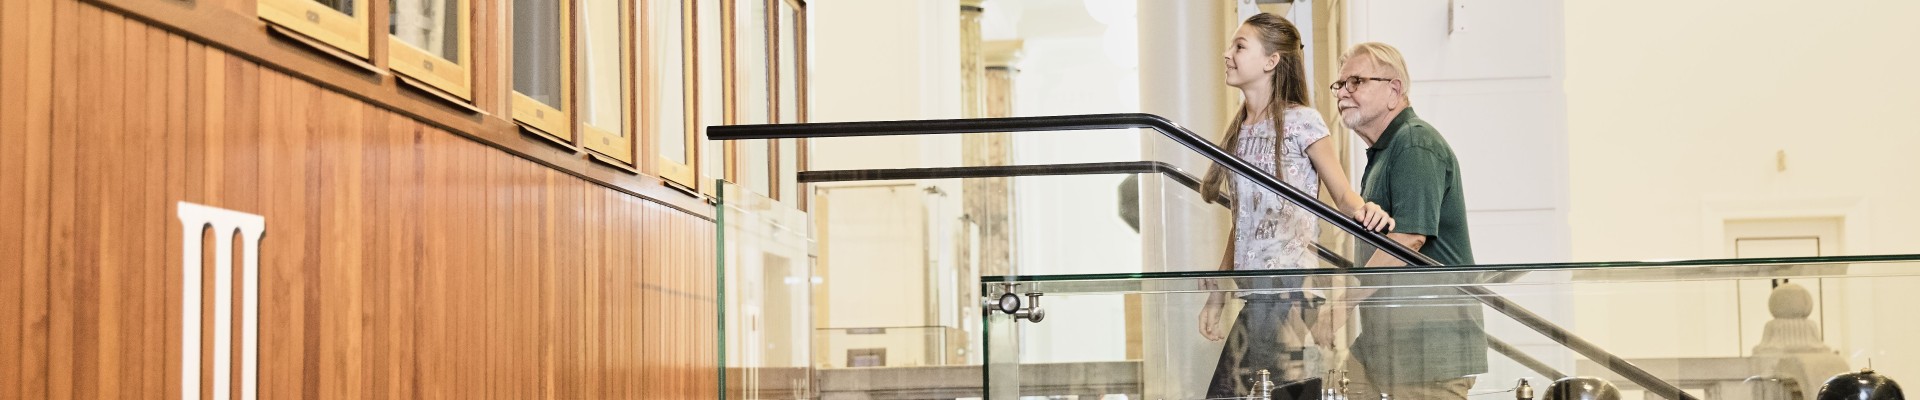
<point x="1101" y="261"/>
<point x="1708" y="329"/>
<point x="765" y="265"/>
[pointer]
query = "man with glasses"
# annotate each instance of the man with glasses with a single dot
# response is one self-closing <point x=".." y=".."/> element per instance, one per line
<point x="1430" y="343"/>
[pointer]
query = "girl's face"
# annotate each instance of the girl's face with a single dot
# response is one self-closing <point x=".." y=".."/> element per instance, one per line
<point x="1248" y="61"/>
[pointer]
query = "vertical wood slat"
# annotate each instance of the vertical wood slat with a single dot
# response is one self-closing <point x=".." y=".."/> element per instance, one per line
<point x="69" y="353"/>
<point x="515" y="290"/>
<point x="241" y="134"/>
<point x="35" y="307"/>
<point x="150" y="318"/>
<point x="172" y="157"/>
<point x="396" y="266"/>
<point x="13" y="195"/>
<point x="500" y="290"/>
<point x="183" y="175"/>
<point x="433" y="340"/>
<point x="13" y="187"/>
<point x="122" y="228"/>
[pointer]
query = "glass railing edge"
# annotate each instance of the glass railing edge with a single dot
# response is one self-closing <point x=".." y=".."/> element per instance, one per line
<point x="1456" y="269"/>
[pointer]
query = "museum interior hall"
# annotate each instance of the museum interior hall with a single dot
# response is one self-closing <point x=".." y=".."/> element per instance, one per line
<point x="958" y="199"/>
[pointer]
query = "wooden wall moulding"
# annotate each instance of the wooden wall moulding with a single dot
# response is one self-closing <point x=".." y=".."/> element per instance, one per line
<point x="221" y="27"/>
<point x="429" y="89"/>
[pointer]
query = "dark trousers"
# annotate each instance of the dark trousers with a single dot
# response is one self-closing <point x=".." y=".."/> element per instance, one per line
<point x="1254" y="344"/>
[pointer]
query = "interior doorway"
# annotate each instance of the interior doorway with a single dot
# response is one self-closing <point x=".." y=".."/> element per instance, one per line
<point x="1778" y="238"/>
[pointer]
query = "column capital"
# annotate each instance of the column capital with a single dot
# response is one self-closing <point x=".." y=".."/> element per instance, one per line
<point x="1002" y="53"/>
<point x="971" y="6"/>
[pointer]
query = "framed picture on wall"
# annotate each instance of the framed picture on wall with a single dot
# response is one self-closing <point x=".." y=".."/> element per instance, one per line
<point x="341" y="24"/>
<point x="605" y="48"/>
<point x="431" y="42"/>
<point x="543" y="68"/>
<point x="667" y="87"/>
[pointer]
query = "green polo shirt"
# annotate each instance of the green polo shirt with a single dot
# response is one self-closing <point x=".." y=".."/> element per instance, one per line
<point x="1433" y="334"/>
<point x="1412" y="174"/>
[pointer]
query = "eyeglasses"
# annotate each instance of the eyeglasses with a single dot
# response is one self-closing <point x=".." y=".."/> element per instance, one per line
<point x="1354" y="82"/>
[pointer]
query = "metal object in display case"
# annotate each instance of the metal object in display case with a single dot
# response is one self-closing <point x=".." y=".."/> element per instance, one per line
<point x="1339" y="390"/>
<point x="1863" y="385"/>
<point x="1582" y="388"/>
<point x="1265" y="386"/>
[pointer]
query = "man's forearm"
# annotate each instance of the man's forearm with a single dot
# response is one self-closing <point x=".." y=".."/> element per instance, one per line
<point x="1411" y="241"/>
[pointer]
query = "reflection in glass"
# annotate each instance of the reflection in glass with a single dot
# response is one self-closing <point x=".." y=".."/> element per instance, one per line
<point x="765" y="253"/>
<point x="667" y="55"/>
<point x="600" y="22"/>
<point x="754" y="165"/>
<point x="343" y="6"/>
<point x="712" y="100"/>
<point x="751" y="42"/>
<point x="789" y="65"/>
<point x="431" y="25"/>
<point x="537" y="51"/>
<point x="750" y="24"/>
<point x="789" y="153"/>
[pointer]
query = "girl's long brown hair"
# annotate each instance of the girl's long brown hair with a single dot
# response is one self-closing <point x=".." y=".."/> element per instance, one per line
<point x="1289" y="85"/>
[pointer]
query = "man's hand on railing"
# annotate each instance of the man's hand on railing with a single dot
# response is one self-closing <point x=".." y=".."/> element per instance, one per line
<point x="1371" y="216"/>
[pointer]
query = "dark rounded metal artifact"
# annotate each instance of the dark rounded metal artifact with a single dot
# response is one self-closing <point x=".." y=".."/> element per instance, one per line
<point x="1863" y="385"/>
<point x="1581" y="388"/>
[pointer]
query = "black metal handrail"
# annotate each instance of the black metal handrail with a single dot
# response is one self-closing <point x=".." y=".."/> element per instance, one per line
<point x="1128" y="167"/>
<point x="1000" y="171"/>
<point x="1076" y="122"/>
<point x="1221" y="158"/>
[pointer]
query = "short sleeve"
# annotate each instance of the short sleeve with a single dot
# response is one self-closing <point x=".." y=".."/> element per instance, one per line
<point x="1305" y="126"/>
<point x="1418" y="180"/>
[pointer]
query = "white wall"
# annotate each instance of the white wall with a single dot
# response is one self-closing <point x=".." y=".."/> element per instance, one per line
<point x="1674" y="116"/>
<point x="1071" y="224"/>
<point x="1690" y="107"/>
<point x="1494" y="92"/>
<point x="880" y="60"/>
<point x="1677" y="113"/>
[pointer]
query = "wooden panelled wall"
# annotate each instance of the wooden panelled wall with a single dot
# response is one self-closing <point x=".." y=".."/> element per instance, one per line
<point x="400" y="260"/>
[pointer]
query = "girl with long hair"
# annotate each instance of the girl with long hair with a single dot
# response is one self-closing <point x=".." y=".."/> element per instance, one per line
<point x="1277" y="131"/>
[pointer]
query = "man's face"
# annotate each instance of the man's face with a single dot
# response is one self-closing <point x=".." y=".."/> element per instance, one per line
<point x="1363" y="101"/>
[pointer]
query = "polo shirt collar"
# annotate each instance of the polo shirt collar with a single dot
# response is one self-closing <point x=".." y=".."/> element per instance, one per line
<point x="1399" y="121"/>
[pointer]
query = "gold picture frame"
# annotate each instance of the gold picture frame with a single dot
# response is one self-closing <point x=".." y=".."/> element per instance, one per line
<point x="345" y="32"/>
<point x="454" y="77"/>
<point x="553" y="122"/>
<point x="613" y="142"/>
<point x="655" y="81"/>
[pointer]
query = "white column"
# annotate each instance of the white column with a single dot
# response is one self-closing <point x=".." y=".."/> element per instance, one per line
<point x="1180" y="79"/>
